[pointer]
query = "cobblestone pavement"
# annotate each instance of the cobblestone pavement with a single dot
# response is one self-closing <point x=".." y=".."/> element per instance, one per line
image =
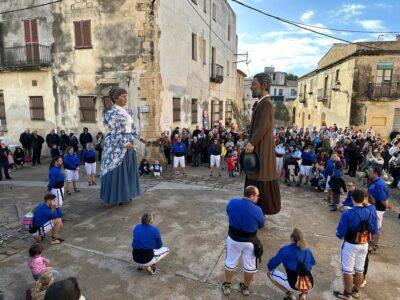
<point x="190" y="211"/>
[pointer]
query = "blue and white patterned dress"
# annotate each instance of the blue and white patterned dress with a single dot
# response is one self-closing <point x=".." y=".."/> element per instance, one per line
<point x="119" y="167"/>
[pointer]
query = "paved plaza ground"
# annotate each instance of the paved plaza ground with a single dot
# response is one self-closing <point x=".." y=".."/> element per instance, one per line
<point x="190" y="212"/>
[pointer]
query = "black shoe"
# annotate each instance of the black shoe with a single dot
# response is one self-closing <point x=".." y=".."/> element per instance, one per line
<point x="9" y="178"/>
<point x="39" y="163"/>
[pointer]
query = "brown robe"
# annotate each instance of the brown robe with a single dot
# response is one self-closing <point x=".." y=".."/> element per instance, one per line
<point x="261" y="137"/>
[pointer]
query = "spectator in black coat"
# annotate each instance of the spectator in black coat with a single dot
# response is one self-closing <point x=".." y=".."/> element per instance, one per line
<point x="196" y="149"/>
<point x="37" y="142"/>
<point x="73" y="141"/>
<point x="4" y="161"/>
<point x="52" y="139"/>
<point x="352" y="154"/>
<point x="64" y="142"/>
<point x="25" y="140"/>
<point x="85" y="138"/>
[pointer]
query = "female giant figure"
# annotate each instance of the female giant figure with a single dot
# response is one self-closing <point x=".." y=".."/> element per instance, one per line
<point x="119" y="167"/>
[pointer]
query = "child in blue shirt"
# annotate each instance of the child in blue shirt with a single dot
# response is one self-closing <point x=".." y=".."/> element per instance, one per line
<point x="348" y="202"/>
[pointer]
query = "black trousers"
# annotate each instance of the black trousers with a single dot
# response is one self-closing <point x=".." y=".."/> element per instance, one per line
<point x="4" y="168"/>
<point x="353" y="166"/>
<point x="36" y="156"/>
<point x="196" y="159"/>
<point x="167" y="153"/>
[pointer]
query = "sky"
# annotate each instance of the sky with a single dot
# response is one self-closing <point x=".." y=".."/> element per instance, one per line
<point x="270" y="42"/>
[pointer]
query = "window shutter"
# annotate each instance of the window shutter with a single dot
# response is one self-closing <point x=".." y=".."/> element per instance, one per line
<point x="87" y="36"/>
<point x="34" y="30"/>
<point x="78" y="34"/>
<point x="27" y="31"/>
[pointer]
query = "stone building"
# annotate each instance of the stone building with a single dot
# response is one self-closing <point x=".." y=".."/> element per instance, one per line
<point x="58" y="62"/>
<point x="354" y="85"/>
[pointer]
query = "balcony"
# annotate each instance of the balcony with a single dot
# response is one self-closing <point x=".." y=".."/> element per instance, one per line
<point x="217" y="73"/>
<point x="28" y="56"/>
<point x="383" y="90"/>
<point x="322" y="95"/>
<point x="302" y="98"/>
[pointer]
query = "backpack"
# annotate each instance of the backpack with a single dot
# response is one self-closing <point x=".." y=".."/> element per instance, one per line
<point x="304" y="279"/>
<point x="363" y="234"/>
<point x="27" y="220"/>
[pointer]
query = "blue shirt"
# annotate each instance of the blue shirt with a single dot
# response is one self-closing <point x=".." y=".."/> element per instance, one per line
<point x="308" y="158"/>
<point x="286" y="256"/>
<point x="179" y="148"/>
<point x="71" y="161"/>
<point x="43" y="213"/>
<point x="55" y="176"/>
<point x="215" y="149"/>
<point x="146" y="237"/>
<point x="89" y="154"/>
<point x="350" y="222"/>
<point x="244" y="215"/>
<point x="348" y="201"/>
<point x="330" y="166"/>
<point x="379" y="192"/>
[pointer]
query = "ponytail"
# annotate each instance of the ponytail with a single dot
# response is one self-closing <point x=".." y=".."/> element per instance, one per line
<point x="298" y="238"/>
<point x="53" y="162"/>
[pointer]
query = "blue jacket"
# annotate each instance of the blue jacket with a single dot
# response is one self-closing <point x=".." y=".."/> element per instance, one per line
<point x="179" y="148"/>
<point x="146" y="237"/>
<point x="308" y="158"/>
<point x="286" y="256"/>
<point x="55" y="176"/>
<point x="89" y="154"/>
<point x="71" y="161"/>
<point x="379" y="192"/>
<point x="244" y="215"/>
<point x="43" y="213"/>
<point x="350" y="222"/>
<point x="215" y="149"/>
<point x="330" y="167"/>
<point x="348" y="201"/>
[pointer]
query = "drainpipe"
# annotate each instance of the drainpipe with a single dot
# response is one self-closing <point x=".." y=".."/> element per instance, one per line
<point x="364" y="116"/>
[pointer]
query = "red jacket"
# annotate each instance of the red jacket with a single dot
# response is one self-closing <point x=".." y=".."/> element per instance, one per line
<point x="230" y="162"/>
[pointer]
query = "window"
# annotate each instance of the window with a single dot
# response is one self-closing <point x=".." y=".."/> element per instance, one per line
<point x="227" y="68"/>
<point x="214" y="11"/>
<point x="384" y="77"/>
<point x="107" y="103"/>
<point x="337" y="75"/>
<point x="309" y="116"/>
<point x="194" y="46"/>
<point x="228" y="109"/>
<point x="203" y="51"/>
<point x="194" y="111"/>
<point x="325" y="93"/>
<point x="37" y="108"/>
<point x="229" y="32"/>
<point x="221" y="110"/>
<point x="31" y="40"/>
<point x="214" y="111"/>
<point x="205" y="6"/>
<point x="311" y="84"/>
<point x="274" y="91"/>
<point x="87" y="106"/>
<point x="83" y="35"/>
<point x="292" y="92"/>
<point x="3" y="121"/>
<point x="280" y="92"/>
<point x="176" y="107"/>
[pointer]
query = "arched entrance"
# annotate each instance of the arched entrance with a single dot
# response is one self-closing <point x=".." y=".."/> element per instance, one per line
<point x="323" y="119"/>
<point x="294" y="115"/>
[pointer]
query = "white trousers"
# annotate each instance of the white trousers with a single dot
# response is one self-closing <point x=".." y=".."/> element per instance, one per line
<point x="59" y="193"/>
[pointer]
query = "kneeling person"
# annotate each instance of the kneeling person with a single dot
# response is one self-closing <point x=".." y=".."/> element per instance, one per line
<point x="298" y="262"/>
<point x="147" y="249"/>
<point x="245" y="218"/>
<point x="47" y="218"/>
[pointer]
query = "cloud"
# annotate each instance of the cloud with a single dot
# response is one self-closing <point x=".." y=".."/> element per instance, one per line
<point x="289" y="54"/>
<point x="372" y="25"/>
<point x="306" y="16"/>
<point x="347" y="11"/>
<point x="384" y="5"/>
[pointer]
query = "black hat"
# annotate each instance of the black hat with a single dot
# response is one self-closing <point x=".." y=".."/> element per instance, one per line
<point x="250" y="163"/>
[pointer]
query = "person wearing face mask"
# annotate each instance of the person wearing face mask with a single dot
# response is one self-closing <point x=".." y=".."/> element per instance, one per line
<point x="119" y="167"/>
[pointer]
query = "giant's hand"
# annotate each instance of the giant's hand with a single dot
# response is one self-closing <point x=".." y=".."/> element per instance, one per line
<point x="144" y="141"/>
<point x="128" y="146"/>
<point x="249" y="148"/>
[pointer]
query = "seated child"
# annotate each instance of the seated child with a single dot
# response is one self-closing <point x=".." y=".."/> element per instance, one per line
<point x="292" y="170"/>
<point x="157" y="169"/>
<point x="37" y="263"/>
<point x="19" y="157"/>
<point x="144" y="168"/>
<point x="317" y="178"/>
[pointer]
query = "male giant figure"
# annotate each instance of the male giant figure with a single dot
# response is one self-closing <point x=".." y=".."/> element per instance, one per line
<point x="261" y="140"/>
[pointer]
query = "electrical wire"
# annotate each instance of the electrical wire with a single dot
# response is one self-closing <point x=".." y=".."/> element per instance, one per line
<point x="29" y="7"/>
<point x="304" y="28"/>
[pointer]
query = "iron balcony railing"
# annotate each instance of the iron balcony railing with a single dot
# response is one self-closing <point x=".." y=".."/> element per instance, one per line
<point x="217" y="73"/>
<point x="35" y="55"/>
<point x="383" y="90"/>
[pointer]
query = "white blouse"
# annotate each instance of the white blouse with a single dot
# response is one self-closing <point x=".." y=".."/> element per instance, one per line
<point x="129" y="119"/>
